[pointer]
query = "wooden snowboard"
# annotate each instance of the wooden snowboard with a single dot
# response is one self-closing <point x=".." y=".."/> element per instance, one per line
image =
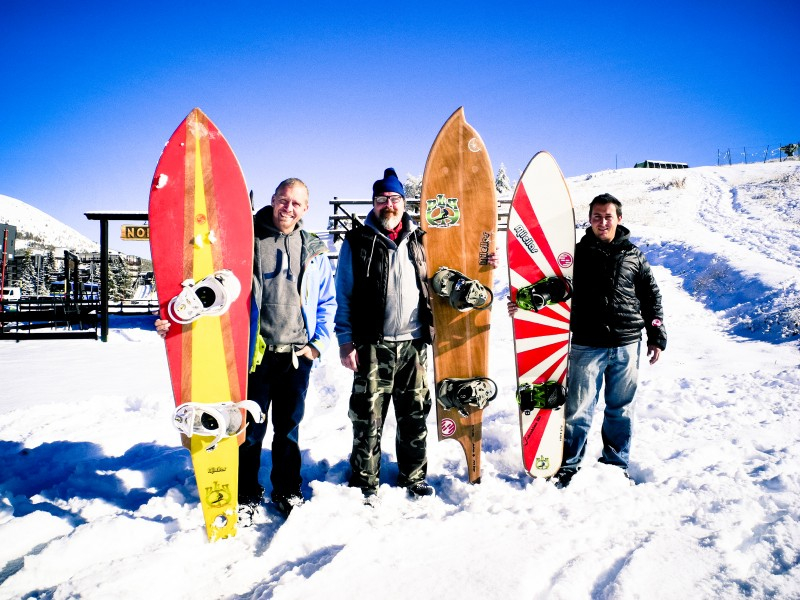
<point x="201" y="222"/>
<point x="458" y="210"/>
<point x="541" y="243"/>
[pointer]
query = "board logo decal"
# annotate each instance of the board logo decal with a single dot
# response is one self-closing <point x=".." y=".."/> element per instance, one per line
<point x="442" y="211"/>
<point x="565" y="260"/>
<point x="526" y="239"/>
<point x="542" y="463"/>
<point x="474" y="145"/>
<point x="448" y="427"/>
<point x="484" y="250"/>
<point x="218" y="495"/>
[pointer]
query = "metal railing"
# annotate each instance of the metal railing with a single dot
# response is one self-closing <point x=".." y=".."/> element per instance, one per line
<point x="348" y="213"/>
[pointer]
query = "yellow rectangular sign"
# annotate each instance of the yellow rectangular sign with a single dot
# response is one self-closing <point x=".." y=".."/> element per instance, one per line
<point x="135" y="232"/>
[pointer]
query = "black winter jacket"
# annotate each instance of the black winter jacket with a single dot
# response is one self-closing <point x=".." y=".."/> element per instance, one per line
<point x="615" y="294"/>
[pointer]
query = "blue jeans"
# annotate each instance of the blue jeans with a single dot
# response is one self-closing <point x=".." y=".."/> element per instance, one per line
<point x="589" y="367"/>
<point x="277" y="383"/>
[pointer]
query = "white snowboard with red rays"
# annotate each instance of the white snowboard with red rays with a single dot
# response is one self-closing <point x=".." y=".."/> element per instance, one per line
<point x="541" y="245"/>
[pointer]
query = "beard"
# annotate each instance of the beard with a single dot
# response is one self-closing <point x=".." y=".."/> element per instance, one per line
<point x="390" y="217"/>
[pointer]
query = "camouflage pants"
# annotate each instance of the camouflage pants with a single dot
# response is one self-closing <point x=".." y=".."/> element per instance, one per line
<point x="389" y="371"/>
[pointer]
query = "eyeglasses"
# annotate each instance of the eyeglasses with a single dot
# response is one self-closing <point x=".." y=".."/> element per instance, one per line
<point x="395" y="199"/>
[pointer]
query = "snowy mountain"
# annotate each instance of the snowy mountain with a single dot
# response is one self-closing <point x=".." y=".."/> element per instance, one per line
<point x="97" y="497"/>
<point x="39" y="228"/>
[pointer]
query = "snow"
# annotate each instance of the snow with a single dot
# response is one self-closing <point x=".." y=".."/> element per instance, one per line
<point x="97" y="498"/>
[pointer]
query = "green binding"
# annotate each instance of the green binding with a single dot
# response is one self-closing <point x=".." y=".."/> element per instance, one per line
<point x="549" y="395"/>
<point x="550" y="290"/>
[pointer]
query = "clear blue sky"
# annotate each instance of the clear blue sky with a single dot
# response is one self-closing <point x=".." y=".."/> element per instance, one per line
<point x="334" y="92"/>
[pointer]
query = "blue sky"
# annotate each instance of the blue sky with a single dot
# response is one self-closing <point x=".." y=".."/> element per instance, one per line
<point x="334" y="92"/>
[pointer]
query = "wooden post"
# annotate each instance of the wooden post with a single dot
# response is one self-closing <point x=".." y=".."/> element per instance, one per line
<point x="104" y="280"/>
<point x="3" y="272"/>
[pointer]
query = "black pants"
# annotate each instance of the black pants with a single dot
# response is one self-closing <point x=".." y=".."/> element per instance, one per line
<point x="277" y="383"/>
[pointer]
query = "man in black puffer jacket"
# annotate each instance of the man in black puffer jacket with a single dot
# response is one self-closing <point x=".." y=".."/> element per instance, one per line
<point x="615" y="296"/>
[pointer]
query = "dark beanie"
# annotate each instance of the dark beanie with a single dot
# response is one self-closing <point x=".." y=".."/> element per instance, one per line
<point x="389" y="183"/>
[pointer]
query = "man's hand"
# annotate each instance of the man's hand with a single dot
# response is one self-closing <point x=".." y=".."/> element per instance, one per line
<point x="512" y="307"/>
<point x="162" y="327"/>
<point x="308" y="351"/>
<point x="349" y="356"/>
<point x="653" y="352"/>
<point x="493" y="260"/>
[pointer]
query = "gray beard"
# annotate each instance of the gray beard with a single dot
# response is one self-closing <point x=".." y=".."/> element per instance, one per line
<point x="390" y="222"/>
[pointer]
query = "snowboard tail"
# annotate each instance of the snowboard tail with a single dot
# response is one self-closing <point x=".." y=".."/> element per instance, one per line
<point x="542" y="441"/>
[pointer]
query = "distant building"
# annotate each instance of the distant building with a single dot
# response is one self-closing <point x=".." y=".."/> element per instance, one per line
<point x="660" y="164"/>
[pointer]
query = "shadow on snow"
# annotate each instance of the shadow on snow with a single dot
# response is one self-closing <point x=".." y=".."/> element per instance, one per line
<point x="56" y="472"/>
<point x="753" y="310"/>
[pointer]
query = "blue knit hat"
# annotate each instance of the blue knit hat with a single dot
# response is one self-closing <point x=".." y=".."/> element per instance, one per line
<point x="389" y="183"/>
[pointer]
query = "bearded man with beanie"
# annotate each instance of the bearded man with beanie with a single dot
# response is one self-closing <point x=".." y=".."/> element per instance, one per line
<point x="383" y="324"/>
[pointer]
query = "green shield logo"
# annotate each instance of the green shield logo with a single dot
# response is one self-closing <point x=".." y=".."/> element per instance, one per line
<point x="542" y="463"/>
<point x="442" y="211"/>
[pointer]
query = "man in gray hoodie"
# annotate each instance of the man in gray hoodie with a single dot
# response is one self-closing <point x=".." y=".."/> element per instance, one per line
<point x="293" y="306"/>
<point x="383" y="324"/>
<point x="294" y="293"/>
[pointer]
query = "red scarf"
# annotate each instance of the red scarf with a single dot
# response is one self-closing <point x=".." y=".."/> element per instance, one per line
<point x="393" y="233"/>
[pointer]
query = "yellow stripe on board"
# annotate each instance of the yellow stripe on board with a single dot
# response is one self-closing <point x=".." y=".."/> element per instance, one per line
<point x="209" y="367"/>
<point x="216" y="472"/>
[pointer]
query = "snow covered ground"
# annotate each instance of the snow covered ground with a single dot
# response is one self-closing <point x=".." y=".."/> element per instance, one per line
<point x="97" y="499"/>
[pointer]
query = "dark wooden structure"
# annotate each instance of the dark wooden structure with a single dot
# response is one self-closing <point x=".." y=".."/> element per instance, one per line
<point x="27" y="318"/>
<point x="660" y="164"/>
<point x="104" y="217"/>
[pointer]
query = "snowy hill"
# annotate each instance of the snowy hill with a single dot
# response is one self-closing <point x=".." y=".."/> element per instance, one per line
<point x="730" y="233"/>
<point x="33" y="225"/>
<point x="97" y="498"/>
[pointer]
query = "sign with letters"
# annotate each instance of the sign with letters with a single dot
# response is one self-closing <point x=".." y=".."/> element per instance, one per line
<point x="135" y="232"/>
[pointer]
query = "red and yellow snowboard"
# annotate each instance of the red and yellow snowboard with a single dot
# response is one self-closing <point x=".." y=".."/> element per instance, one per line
<point x="201" y="222"/>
